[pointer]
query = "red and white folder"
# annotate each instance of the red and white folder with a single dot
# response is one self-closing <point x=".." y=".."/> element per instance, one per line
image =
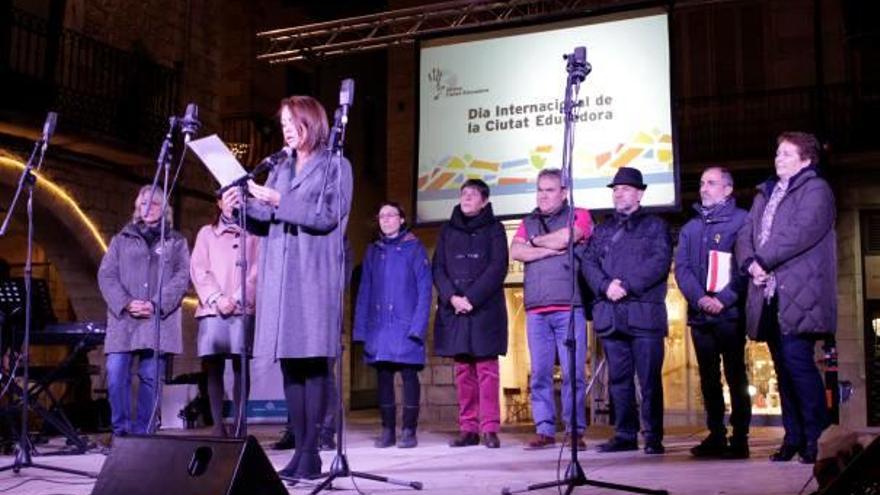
<point x="718" y="275"/>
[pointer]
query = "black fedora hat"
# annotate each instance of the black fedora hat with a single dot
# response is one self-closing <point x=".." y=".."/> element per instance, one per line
<point x="628" y="176"/>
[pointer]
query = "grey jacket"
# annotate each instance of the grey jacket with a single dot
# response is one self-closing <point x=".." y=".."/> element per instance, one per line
<point x="801" y="251"/>
<point x="129" y="270"/>
<point x="302" y="259"/>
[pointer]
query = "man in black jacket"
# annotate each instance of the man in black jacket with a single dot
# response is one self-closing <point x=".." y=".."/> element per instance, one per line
<point x="706" y="273"/>
<point x="627" y="265"/>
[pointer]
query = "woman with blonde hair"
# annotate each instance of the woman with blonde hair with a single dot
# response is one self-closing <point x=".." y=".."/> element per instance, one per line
<point x="129" y="281"/>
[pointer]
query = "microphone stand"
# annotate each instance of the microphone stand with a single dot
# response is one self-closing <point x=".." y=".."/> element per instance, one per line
<point x="242" y="184"/>
<point x="244" y="376"/>
<point x="577" y="68"/>
<point x="339" y="467"/>
<point x="24" y="446"/>
<point x="163" y="165"/>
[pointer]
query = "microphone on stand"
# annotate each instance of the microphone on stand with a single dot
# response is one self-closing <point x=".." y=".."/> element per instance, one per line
<point x="272" y="161"/>
<point x="346" y="98"/>
<point x="340" y="117"/>
<point x="268" y="163"/>
<point x="190" y="124"/>
<point x="48" y="130"/>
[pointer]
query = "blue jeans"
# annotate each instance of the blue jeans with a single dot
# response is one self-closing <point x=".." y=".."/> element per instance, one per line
<point x="628" y="356"/>
<point x="546" y="333"/>
<point x="119" y="389"/>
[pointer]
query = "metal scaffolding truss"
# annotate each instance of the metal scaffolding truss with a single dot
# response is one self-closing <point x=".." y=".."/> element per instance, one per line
<point x="397" y="27"/>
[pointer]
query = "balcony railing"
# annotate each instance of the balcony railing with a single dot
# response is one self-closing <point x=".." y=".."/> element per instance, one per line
<point x="95" y="87"/>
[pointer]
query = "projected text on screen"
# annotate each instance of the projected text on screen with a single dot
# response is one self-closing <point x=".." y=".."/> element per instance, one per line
<point x="490" y="108"/>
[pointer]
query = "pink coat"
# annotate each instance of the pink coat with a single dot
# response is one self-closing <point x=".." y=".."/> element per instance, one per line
<point x="214" y="269"/>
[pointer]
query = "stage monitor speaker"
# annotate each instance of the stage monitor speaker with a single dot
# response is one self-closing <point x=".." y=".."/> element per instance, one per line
<point x="162" y="465"/>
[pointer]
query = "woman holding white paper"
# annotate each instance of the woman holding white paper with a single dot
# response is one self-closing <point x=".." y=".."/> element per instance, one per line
<point x="305" y="202"/>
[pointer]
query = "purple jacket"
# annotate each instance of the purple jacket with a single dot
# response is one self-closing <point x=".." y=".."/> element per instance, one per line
<point x="394" y="301"/>
<point x="801" y="251"/>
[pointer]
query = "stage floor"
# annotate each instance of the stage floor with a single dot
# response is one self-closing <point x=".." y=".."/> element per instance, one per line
<point x="477" y="470"/>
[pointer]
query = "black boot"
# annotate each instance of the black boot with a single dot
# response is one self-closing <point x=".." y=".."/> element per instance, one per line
<point x="738" y="447"/>
<point x="410" y="423"/>
<point x="387" y="438"/>
<point x="713" y="446"/>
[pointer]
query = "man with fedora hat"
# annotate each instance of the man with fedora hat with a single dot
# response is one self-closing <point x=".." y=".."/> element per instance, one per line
<point x="626" y="265"/>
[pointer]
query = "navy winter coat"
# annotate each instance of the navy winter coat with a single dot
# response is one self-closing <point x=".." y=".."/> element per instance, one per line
<point x="716" y="230"/>
<point x="801" y="251"/>
<point x="394" y="301"/>
<point x="471" y="260"/>
<point x="636" y="250"/>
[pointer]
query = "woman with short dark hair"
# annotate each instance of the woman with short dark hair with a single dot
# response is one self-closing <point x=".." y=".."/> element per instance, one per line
<point x="391" y="317"/>
<point x="470" y="265"/>
<point x="789" y="249"/>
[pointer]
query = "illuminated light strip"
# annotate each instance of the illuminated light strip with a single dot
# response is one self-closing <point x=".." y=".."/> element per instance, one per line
<point x="56" y="191"/>
<point x="61" y="194"/>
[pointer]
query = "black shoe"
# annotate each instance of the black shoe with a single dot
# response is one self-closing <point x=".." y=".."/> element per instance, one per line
<point x="808" y="453"/>
<point x="617" y="445"/>
<point x="491" y="441"/>
<point x="654" y="447"/>
<point x="465" y="439"/>
<point x="785" y="453"/>
<point x="713" y="446"/>
<point x="309" y="467"/>
<point x="738" y="448"/>
<point x="386" y="439"/>
<point x="327" y="441"/>
<point x="286" y="442"/>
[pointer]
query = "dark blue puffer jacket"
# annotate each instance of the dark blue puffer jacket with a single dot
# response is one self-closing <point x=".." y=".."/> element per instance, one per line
<point x="713" y="229"/>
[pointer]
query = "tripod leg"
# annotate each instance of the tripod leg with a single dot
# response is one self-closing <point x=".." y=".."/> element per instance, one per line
<point x="326" y="484"/>
<point x="415" y="485"/>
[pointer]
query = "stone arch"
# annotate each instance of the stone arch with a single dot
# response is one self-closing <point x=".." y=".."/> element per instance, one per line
<point x="70" y="239"/>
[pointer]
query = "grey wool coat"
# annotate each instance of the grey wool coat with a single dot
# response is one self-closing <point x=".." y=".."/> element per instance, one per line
<point x="302" y="258"/>
<point x="801" y="250"/>
<point x="128" y="271"/>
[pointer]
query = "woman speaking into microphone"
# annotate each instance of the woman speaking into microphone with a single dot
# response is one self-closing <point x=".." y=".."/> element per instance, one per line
<point x="306" y="203"/>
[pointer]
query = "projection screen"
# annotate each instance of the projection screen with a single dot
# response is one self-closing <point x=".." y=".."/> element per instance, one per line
<point x="490" y="108"/>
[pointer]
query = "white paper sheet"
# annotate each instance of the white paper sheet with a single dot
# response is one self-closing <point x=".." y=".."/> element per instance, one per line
<point x="219" y="160"/>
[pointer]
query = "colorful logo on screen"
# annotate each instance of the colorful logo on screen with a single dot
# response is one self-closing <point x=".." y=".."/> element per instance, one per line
<point x="649" y="152"/>
<point x="445" y="84"/>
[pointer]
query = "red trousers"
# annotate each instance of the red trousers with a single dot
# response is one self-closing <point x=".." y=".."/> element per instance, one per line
<point x="476" y="381"/>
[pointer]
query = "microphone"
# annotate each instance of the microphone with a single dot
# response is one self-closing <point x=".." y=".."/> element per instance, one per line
<point x="272" y="161"/>
<point x="346" y="98"/>
<point x="190" y="122"/>
<point x="48" y="130"/>
<point x="268" y="163"/>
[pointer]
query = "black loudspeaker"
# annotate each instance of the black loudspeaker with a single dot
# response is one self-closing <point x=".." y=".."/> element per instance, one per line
<point x="161" y="465"/>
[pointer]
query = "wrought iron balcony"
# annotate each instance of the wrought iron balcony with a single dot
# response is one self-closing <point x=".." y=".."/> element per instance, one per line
<point x="96" y="88"/>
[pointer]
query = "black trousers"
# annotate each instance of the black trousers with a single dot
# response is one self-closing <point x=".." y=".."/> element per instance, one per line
<point x="714" y="343"/>
<point x="305" y="390"/>
<point x="409" y="373"/>
<point x="801" y="390"/>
